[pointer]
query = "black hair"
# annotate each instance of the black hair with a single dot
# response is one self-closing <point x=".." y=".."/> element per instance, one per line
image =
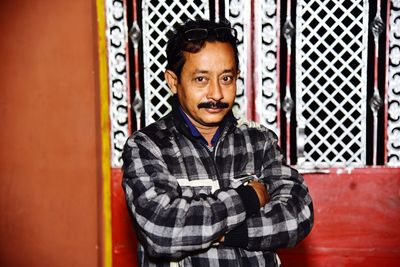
<point x="179" y="43"/>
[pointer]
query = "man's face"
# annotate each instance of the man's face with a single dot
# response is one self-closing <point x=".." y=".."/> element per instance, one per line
<point x="208" y="76"/>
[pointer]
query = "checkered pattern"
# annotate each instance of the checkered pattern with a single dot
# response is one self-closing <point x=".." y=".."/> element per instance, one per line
<point x="169" y="180"/>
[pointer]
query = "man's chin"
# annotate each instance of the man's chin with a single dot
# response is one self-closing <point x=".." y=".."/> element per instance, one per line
<point x="212" y="122"/>
<point x="214" y="118"/>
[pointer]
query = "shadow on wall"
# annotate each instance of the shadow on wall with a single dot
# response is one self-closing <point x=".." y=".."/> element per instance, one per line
<point x="295" y="257"/>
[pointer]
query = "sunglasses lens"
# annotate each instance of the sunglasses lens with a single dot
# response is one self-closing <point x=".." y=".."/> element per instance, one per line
<point x="223" y="33"/>
<point x="196" y="34"/>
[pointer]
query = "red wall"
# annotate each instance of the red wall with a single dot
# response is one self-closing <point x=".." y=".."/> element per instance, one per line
<point x="49" y="137"/>
<point x="356" y="222"/>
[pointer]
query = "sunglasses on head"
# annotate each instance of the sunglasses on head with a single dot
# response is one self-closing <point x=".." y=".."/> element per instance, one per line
<point x="202" y="33"/>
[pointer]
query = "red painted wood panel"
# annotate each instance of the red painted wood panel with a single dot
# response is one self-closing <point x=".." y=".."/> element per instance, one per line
<point x="356" y="221"/>
<point x="124" y="242"/>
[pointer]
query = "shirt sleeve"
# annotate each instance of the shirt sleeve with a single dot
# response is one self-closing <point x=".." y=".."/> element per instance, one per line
<point x="168" y="224"/>
<point x="288" y="217"/>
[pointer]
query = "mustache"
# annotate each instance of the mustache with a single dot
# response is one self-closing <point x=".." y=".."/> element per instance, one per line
<point x="210" y="104"/>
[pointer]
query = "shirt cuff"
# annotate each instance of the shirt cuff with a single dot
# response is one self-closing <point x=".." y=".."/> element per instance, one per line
<point x="237" y="237"/>
<point x="250" y="200"/>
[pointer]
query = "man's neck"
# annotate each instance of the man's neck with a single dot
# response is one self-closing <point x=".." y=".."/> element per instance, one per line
<point x="207" y="132"/>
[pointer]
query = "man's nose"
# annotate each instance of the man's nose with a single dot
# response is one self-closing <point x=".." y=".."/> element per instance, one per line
<point x="215" y="91"/>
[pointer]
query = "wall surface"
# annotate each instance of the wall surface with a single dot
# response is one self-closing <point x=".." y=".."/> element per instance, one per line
<point x="49" y="141"/>
<point x="356" y="220"/>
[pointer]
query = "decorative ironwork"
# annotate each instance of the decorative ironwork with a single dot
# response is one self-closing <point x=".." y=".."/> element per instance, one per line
<point x="239" y="12"/>
<point x="266" y="42"/>
<point x="118" y="82"/>
<point x="135" y="34"/>
<point x="331" y="65"/>
<point x="393" y="96"/>
<point x="288" y="103"/>
<point x="377" y="25"/>
<point x="376" y="102"/>
<point x="288" y="29"/>
<point x="137" y="105"/>
<point x="158" y="18"/>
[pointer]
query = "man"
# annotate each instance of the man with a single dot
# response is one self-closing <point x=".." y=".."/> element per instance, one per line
<point x="204" y="189"/>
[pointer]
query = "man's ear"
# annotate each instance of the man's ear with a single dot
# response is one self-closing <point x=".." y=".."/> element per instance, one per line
<point x="172" y="81"/>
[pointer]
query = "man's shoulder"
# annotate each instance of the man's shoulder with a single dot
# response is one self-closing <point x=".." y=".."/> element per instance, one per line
<point x="249" y="127"/>
<point x="157" y="131"/>
<point x="243" y="123"/>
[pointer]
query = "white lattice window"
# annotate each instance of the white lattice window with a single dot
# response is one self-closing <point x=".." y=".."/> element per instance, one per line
<point x="331" y="89"/>
<point x="329" y="76"/>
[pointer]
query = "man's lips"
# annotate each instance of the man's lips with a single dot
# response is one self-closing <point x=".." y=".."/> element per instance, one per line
<point x="214" y="110"/>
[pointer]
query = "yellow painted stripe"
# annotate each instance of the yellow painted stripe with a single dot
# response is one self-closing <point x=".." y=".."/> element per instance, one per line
<point x="105" y="134"/>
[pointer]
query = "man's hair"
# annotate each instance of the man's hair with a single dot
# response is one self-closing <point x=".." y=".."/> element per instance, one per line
<point x="179" y="42"/>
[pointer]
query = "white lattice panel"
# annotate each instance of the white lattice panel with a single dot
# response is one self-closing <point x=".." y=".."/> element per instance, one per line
<point x="331" y="92"/>
<point x="158" y="18"/>
<point x="266" y="41"/>
<point x="393" y="97"/>
<point x="238" y="13"/>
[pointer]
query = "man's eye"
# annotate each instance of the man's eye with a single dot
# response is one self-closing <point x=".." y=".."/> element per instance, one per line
<point x="227" y="79"/>
<point x="200" y="79"/>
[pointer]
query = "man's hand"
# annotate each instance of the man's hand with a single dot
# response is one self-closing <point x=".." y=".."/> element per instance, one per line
<point x="263" y="196"/>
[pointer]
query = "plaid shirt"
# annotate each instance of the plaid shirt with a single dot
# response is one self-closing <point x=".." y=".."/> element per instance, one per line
<point x="183" y="196"/>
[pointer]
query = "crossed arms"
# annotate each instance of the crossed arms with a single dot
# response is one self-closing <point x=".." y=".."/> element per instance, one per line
<point x="272" y="213"/>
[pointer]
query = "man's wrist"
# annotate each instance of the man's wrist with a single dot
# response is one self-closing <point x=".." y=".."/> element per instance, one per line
<point x="261" y="191"/>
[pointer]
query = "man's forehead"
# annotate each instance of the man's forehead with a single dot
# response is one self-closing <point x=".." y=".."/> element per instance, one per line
<point x="221" y="50"/>
<point x="221" y="46"/>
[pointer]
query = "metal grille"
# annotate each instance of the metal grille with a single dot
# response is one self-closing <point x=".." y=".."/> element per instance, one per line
<point x="393" y="144"/>
<point x="331" y="93"/>
<point x="266" y="40"/>
<point x="158" y="19"/>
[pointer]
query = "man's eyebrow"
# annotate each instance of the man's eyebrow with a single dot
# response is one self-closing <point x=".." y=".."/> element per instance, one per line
<point x="199" y="71"/>
<point x="196" y="71"/>
<point x="228" y="70"/>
